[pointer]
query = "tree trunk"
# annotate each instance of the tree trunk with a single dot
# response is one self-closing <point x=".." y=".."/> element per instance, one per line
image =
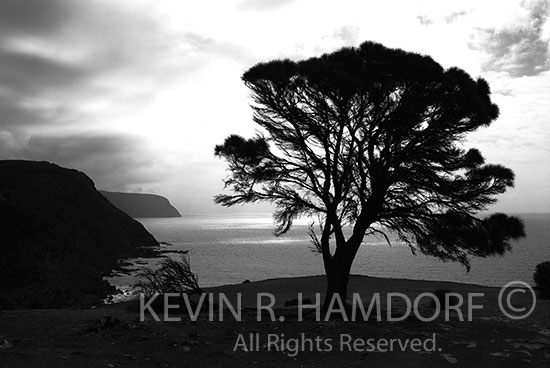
<point x="338" y="266"/>
<point x="337" y="283"/>
<point x="337" y="274"/>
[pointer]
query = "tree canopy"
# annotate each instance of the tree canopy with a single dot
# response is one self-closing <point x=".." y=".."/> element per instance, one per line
<point x="373" y="138"/>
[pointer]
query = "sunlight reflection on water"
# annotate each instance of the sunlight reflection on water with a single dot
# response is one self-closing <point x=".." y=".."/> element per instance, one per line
<point x="230" y="250"/>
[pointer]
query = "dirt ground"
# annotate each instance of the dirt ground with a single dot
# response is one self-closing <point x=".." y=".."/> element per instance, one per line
<point x="115" y="336"/>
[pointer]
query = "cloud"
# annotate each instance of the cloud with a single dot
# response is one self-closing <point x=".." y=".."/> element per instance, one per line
<point x="449" y="18"/>
<point x="519" y="49"/>
<point x="70" y="69"/>
<point x="137" y="93"/>
<point x="111" y="160"/>
<point x="26" y="74"/>
<point x="31" y="89"/>
<point x="425" y="20"/>
<point x="263" y="4"/>
<point x="455" y="16"/>
<point x="195" y="43"/>
<point x="347" y="35"/>
<point x="34" y="16"/>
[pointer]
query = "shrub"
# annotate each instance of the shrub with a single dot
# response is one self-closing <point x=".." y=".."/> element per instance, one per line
<point x="542" y="279"/>
<point x="172" y="276"/>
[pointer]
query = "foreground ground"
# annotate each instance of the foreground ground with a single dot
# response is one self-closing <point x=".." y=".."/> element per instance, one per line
<point x="114" y="336"/>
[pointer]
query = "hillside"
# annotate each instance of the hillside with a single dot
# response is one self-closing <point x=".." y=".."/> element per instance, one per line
<point x="59" y="236"/>
<point x="117" y="336"/>
<point x="140" y="205"/>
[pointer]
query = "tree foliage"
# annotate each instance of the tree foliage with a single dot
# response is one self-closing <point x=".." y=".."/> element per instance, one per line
<point x="542" y="279"/>
<point x="372" y="138"/>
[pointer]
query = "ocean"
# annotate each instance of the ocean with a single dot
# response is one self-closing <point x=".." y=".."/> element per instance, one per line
<point x="229" y="250"/>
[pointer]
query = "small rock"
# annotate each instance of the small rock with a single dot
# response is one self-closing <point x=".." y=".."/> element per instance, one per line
<point x="186" y="349"/>
<point x="130" y="326"/>
<point x="528" y="346"/>
<point x="500" y="354"/>
<point x="5" y="344"/>
<point x="469" y="344"/>
<point x="543" y="340"/>
<point x="526" y="353"/>
<point x="450" y="358"/>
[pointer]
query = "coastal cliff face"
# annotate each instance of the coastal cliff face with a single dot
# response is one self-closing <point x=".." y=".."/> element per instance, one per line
<point x="59" y="236"/>
<point x="140" y="205"/>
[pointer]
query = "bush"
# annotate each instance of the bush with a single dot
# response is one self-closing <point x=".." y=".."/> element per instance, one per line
<point x="173" y="276"/>
<point x="542" y="279"/>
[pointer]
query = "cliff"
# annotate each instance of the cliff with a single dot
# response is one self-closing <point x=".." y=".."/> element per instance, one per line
<point x="140" y="205"/>
<point x="59" y="235"/>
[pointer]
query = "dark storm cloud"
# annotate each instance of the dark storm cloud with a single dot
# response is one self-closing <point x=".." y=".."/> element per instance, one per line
<point x="27" y="74"/>
<point x="81" y="51"/>
<point x="33" y="16"/>
<point x="58" y="58"/>
<point x="25" y="77"/>
<point x="109" y="159"/>
<point x="519" y="51"/>
<point x="35" y="88"/>
<point x="12" y="116"/>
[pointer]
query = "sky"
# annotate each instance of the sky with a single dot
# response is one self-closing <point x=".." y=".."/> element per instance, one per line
<point x="136" y="93"/>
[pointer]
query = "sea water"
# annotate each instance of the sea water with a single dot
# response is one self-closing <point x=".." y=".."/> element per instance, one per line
<point x="230" y="249"/>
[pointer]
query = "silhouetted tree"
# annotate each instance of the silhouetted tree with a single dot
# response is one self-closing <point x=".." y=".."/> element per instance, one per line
<point x="371" y="137"/>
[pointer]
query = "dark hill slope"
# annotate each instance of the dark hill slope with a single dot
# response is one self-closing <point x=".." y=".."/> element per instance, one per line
<point x="59" y="235"/>
<point x="139" y="205"/>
